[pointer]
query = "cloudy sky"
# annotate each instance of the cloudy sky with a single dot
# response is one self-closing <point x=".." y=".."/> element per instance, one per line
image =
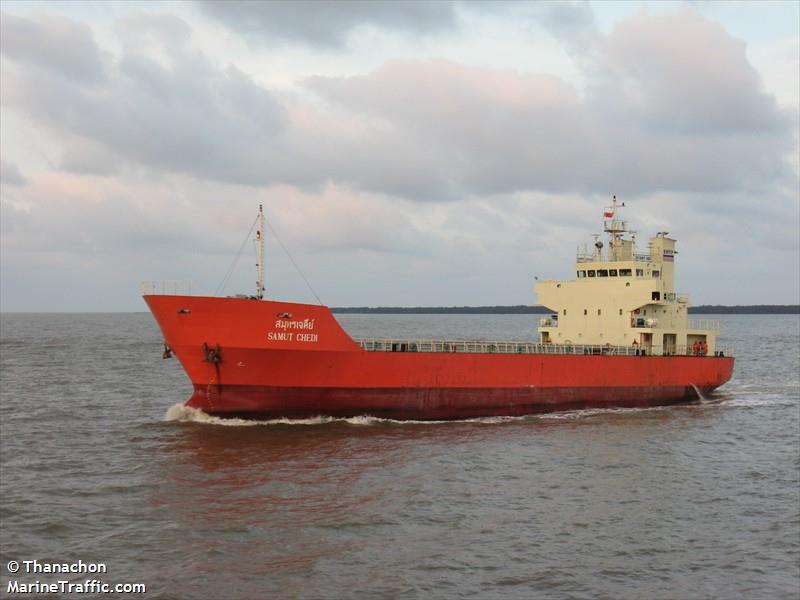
<point x="441" y="153"/>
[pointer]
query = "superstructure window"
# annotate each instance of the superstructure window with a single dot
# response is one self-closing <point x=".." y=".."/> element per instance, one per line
<point x="585" y="312"/>
<point x="602" y="272"/>
<point x="640" y="272"/>
<point x="620" y="312"/>
<point x="625" y="273"/>
<point x="565" y="312"/>
<point x="599" y="312"/>
<point x="656" y="274"/>
<point x="581" y="274"/>
<point x="590" y="273"/>
<point x="612" y="272"/>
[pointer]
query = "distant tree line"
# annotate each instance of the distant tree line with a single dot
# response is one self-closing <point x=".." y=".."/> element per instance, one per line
<point x="521" y="309"/>
<point x="749" y="309"/>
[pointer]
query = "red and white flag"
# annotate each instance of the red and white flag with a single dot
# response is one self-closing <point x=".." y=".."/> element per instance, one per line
<point x="608" y="214"/>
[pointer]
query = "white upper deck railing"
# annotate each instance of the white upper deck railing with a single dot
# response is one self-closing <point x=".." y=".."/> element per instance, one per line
<point x="166" y="288"/>
<point x="512" y="347"/>
<point x="584" y="257"/>
<point x="704" y="324"/>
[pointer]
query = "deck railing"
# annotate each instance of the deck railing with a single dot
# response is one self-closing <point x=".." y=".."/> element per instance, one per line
<point x="654" y="323"/>
<point x="704" y="324"/>
<point x="166" y="288"/>
<point x="511" y="347"/>
<point x="585" y="256"/>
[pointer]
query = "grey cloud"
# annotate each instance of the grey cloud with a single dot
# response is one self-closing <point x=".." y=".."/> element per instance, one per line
<point x="565" y="17"/>
<point x="457" y="130"/>
<point x="328" y="24"/>
<point x="435" y="130"/>
<point x="59" y="45"/>
<point x="78" y="249"/>
<point x="557" y="16"/>
<point x="684" y="72"/>
<point x="10" y="174"/>
<point x="185" y="116"/>
<point x="84" y="156"/>
<point x="159" y="29"/>
<point x="487" y="131"/>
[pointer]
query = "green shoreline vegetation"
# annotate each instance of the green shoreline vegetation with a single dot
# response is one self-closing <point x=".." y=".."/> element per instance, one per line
<point x="520" y="309"/>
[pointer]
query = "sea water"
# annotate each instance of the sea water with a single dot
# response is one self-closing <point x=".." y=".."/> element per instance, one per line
<point x="101" y="463"/>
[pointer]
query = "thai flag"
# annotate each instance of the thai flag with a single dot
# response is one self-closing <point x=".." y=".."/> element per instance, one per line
<point x="608" y="214"/>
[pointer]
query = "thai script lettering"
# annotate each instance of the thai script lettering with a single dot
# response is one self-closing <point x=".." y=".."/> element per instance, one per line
<point x="304" y="324"/>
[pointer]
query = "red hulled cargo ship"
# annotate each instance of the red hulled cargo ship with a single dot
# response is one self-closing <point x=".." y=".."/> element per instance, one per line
<point x="619" y="336"/>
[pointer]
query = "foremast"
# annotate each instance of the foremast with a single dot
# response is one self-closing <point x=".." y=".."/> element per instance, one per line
<point x="259" y="241"/>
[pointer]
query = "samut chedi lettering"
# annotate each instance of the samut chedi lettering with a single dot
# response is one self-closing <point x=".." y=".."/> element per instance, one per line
<point x="290" y="336"/>
<point x="280" y="336"/>
<point x="304" y="324"/>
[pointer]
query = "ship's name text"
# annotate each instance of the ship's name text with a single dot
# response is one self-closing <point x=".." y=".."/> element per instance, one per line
<point x="291" y="336"/>
<point x="304" y="324"/>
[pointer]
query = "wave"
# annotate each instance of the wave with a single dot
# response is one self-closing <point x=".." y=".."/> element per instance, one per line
<point x="186" y="414"/>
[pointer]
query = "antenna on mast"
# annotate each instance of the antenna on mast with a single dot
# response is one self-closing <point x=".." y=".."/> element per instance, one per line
<point x="260" y="287"/>
<point x="616" y="226"/>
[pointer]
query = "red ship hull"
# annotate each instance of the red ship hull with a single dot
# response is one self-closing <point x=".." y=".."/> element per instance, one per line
<point x="265" y="359"/>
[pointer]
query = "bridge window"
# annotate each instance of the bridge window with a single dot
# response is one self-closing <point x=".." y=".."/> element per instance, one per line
<point x="625" y="273"/>
<point x="602" y="272"/>
<point x="581" y="274"/>
<point x="612" y="273"/>
<point x="640" y="272"/>
<point x="656" y="274"/>
<point x="590" y="273"/>
<point x="656" y="295"/>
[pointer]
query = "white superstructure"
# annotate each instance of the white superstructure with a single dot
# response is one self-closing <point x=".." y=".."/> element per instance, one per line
<point x="621" y="297"/>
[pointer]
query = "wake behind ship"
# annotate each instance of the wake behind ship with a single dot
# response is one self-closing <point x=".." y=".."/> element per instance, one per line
<point x="619" y="336"/>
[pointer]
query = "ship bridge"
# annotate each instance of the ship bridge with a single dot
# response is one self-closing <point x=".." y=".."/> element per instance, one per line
<point x="623" y="297"/>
